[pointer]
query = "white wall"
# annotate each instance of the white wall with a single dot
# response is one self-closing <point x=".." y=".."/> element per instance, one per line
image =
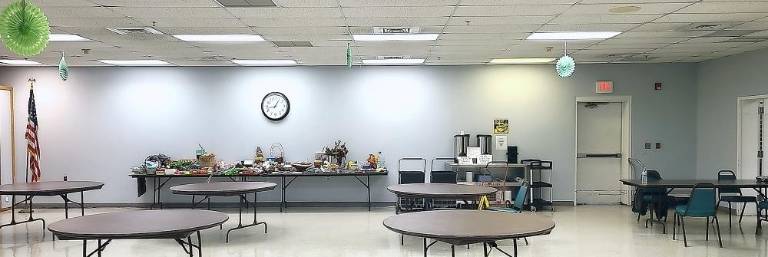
<point x="720" y="83"/>
<point x="105" y="120"/>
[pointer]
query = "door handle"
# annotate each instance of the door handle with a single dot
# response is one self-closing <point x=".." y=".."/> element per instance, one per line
<point x="598" y="155"/>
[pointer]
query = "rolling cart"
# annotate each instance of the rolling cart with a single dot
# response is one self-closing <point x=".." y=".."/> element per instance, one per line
<point x="540" y="183"/>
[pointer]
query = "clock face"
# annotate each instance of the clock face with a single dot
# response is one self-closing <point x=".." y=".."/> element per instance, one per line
<point x="275" y="106"/>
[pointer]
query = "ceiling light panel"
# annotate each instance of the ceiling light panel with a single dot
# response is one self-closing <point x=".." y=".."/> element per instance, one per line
<point x="135" y="62"/>
<point x="521" y="60"/>
<point x="265" y="62"/>
<point x="19" y="62"/>
<point x="393" y="61"/>
<point x="395" y="37"/>
<point x="66" y="37"/>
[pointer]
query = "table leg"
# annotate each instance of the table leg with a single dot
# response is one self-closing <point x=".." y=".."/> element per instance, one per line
<point x="199" y="245"/>
<point x="368" y="186"/>
<point x="85" y="248"/>
<point x="66" y="207"/>
<point x="453" y="251"/>
<point x="244" y="202"/>
<point x="82" y="203"/>
<point x="282" y="195"/>
<point x="99" y="249"/>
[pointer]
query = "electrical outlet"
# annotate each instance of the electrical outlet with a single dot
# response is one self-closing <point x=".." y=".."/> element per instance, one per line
<point x="647" y="146"/>
<point x="7" y="199"/>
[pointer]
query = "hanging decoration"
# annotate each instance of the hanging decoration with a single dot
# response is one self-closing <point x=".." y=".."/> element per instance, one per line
<point x="349" y="56"/>
<point x="63" y="68"/>
<point x="565" y="65"/>
<point x="24" y="28"/>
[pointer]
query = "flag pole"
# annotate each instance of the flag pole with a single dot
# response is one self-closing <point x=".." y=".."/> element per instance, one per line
<point x="26" y="172"/>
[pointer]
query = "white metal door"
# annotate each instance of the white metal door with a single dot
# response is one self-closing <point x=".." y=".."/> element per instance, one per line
<point x="750" y="134"/>
<point x="598" y="160"/>
<point x="5" y="141"/>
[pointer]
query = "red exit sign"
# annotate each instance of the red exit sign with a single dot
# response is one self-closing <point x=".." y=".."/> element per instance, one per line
<point x="604" y="87"/>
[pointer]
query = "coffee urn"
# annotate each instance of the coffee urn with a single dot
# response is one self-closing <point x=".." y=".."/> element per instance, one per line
<point x="484" y="142"/>
<point x="460" y="144"/>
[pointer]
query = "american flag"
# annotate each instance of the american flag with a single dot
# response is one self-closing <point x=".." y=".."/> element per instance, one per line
<point x="33" y="149"/>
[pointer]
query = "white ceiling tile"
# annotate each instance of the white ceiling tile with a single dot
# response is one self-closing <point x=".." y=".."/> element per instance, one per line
<point x="389" y="3"/>
<point x="586" y="27"/>
<point x="491" y="29"/>
<point x="81" y="22"/>
<point x="43" y="4"/>
<point x="635" y="1"/>
<point x="158" y="12"/>
<point x="191" y="22"/>
<point x="155" y="3"/>
<point x="727" y="7"/>
<point x="504" y="20"/>
<point x="366" y="12"/>
<point x="281" y="12"/>
<point x="82" y="12"/>
<point x="396" y="21"/>
<point x="633" y="34"/>
<point x="602" y="18"/>
<point x="511" y="10"/>
<point x="710" y="17"/>
<point x="293" y="22"/>
<point x="645" y="8"/>
<point x="306" y="3"/>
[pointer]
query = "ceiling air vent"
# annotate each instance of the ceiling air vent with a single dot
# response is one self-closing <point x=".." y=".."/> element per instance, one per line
<point x="395" y="30"/>
<point x="246" y="3"/>
<point x="292" y="43"/>
<point x="136" y="31"/>
<point x="705" y="26"/>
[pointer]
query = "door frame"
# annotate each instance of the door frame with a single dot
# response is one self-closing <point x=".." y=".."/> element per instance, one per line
<point x="626" y="139"/>
<point x="739" y="101"/>
<point x="13" y="132"/>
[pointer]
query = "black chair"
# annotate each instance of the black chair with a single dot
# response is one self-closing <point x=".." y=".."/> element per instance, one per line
<point x="732" y="195"/>
<point x="410" y="176"/>
<point x="441" y="175"/>
<point x="651" y="195"/>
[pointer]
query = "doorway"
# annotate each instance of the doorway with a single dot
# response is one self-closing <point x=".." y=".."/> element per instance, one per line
<point x="7" y="146"/>
<point x="752" y="135"/>
<point x="602" y="149"/>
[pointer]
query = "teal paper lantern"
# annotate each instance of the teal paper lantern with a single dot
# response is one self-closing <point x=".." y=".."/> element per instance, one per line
<point x="63" y="68"/>
<point x="565" y="66"/>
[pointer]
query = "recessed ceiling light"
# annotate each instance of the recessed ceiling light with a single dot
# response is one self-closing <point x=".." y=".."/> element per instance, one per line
<point x="395" y="37"/>
<point x="136" y="62"/>
<point x="521" y="60"/>
<point x="393" y="61"/>
<point x="66" y="37"/>
<point x="19" y="62"/>
<point x="625" y="9"/>
<point x="572" y="35"/>
<point x="221" y="38"/>
<point x="265" y="62"/>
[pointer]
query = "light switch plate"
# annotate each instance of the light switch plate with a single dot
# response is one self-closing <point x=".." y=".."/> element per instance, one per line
<point x="647" y="146"/>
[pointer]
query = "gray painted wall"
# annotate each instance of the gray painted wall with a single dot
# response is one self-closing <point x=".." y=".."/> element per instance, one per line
<point x="721" y="82"/>
<point x="106" y="119"/>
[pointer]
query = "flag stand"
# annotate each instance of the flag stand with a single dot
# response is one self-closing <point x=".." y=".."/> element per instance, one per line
<point x="26" y="172"/>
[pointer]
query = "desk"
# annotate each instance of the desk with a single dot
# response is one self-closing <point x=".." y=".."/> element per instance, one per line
<point x="463" y="227"/>
<point x="239" y="189"/>
<point x="286" y="180"/>
<point x="690" y="183"/>
<point x="147" y="224"/>
<point x="51" y="188"/>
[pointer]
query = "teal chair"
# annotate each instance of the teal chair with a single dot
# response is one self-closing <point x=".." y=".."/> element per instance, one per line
<point x="701" y="204"/>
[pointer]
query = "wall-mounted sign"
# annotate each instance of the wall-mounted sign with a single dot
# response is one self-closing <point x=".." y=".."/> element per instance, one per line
<point x="501" y="126"/>
<point x="604" y="87"/>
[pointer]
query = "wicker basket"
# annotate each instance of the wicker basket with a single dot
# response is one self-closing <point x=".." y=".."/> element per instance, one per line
<point x="208" y="160"/>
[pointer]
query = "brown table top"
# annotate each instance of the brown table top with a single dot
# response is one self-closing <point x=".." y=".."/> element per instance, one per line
<point x="49" y="187"/>
<point x="222" y="188"/>
<point x="689" y="183"/>
<point x="146" y="224"/>
<point x="469" y="226"/>
<point x="441" y="190"/>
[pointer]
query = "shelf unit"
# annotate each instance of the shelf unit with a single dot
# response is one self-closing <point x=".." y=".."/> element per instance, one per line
<point x="540" y="182"/>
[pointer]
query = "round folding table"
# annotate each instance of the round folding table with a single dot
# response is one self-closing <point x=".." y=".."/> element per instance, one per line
<point x="239" y="189"/>
<point x="49" y="188"/>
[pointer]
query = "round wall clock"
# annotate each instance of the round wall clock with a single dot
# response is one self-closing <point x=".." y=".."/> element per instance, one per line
<point x="275" y="106"/>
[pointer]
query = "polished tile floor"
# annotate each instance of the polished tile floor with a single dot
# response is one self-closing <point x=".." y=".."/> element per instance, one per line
<point x="347" y="232"/>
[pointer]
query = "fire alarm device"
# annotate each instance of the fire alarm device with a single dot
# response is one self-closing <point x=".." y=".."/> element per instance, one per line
<point x="604" y="87"/>
<point x="657" y="86"/>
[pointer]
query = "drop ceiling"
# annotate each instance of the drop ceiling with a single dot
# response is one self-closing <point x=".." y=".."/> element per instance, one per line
<point x="470" y="32"/>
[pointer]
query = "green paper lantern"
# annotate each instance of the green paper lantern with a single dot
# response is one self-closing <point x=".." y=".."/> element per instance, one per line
<point x="565" y="66"/>
<point x="24" y="28"/>
<point x="63" y="68"/>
